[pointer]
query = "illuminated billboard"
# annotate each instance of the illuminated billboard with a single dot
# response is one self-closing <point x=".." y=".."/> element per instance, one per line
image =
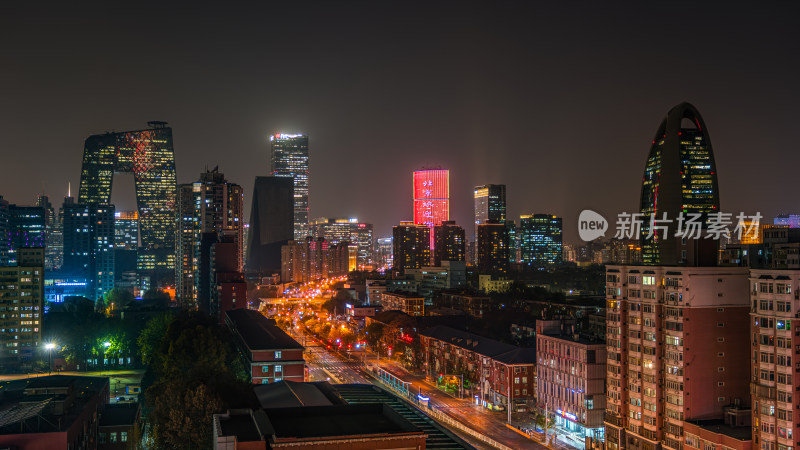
<point x="431" y="197"/>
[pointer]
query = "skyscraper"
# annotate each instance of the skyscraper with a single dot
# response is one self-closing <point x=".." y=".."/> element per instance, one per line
<point x="290" y="159"/>
<point x="209" y="205"/>
<point x="54" y="242"/>
<point x="351" y="230"/>
<point x="431" y="197"/>
<point x="493" y="247"/>
<point x="540" y="240"/>
<point x="271" y="223"/>
<point x="26" y="228"/>
<point x="4" y="219"/>
<point x="148" y="154"/>
<point x="88" y="232"/>
<point x="490" y="204"/>
<point x="680" y="177"/>
<point x="411" y="246"/>
<point x="449" y="242"/>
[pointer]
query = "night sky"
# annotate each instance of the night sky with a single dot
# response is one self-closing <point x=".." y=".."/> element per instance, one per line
<point x="558" y="100"/>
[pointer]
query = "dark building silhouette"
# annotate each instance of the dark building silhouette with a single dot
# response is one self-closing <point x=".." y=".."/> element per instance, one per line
<point x="449" y="242"/>
<point x="411" y="246"/>
<point x="493" y="247"/>
<point x="148" y="154"/>
<point x="680" y="176"/>
<point x="271" y="223"/>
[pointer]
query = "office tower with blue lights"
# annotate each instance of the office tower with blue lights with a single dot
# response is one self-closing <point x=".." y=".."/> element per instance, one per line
<point x="149" y="155"/>
<point x="25" y="227"/>
<point x="680" y="176"/>
<point x="88" y="232"/>
<point x="272" y="224"/>
<point x="290" y="159"/>
<point x="541" y="240"/>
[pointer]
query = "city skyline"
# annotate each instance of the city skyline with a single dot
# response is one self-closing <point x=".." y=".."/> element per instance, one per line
<point x="498" y="123"/>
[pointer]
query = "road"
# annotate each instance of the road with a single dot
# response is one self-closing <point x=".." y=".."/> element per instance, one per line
<point x="327" y="365"/>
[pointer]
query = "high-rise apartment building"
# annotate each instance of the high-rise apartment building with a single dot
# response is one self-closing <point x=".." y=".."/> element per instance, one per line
<point x="541" y="240"/>
<point x="271" y="223"/>
<point x="449" y="242"/>
<point x="774" y="342"/>
<point x="490" y="204"/>
<point x="410" y="246"/>
<point x="335" y="231"/>
<point x="290" y="159"/>
<point x="22" y="305"/>
<point x="148" y="154"/>
<point x="493" y="248"/>
<point x="680" y="177"/>
<point x="88" y="232"/>
<point x="210" y="205"/>
<point x="677" y="353"/>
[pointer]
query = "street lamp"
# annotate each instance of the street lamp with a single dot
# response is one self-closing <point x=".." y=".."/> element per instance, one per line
<point x="50" y="346"/>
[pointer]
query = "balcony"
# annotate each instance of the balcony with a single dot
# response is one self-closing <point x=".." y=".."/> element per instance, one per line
<point x="616" y="421"/>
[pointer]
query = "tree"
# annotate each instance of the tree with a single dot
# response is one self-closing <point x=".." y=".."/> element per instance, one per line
<point x="373" y="334"/>
<point x="194" y="372"/>
<point x="119" y="298"/>
<point x="152" y="334"/>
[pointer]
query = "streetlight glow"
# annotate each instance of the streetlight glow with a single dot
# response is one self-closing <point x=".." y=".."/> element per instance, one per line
<point x="50" y="346"/>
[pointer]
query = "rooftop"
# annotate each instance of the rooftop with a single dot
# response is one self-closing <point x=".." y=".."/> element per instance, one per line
<point x="337" y="420"/>
<point x="496" y="350"/>
<point x="259" y="333"/>
<point x="286" y="394"/>
<point x="719" y="426"/>
<point x="119" y="414"/>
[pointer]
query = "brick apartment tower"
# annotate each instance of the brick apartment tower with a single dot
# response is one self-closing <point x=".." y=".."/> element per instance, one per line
<point x="677" y="351"/>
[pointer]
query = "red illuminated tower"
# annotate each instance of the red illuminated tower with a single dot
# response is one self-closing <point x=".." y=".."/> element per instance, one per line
<point x="431" y="198"/>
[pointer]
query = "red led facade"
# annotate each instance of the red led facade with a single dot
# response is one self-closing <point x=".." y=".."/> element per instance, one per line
<point x="431" y="197"/>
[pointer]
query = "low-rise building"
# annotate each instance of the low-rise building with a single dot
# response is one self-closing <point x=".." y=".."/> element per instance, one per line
<point x="499" y="371"/>
<point x="57" y="412"/>
<point x="120" y="425"/>
<point x="571" y="377"/>
<point x="411" y="304"/>
<point x="488" y="285"/>
<point x="270" y="354"/>
<point x="474" y="305"/>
